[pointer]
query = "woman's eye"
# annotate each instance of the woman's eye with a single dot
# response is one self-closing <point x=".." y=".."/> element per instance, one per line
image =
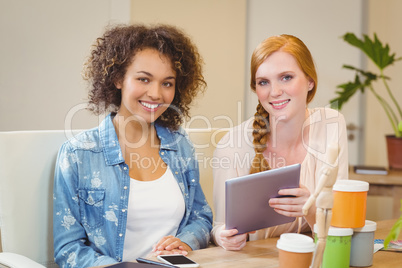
<point x="167" y="84"/>
<point x="287" y="77"/>
<point x="145" y="80"/>
<point x="262" y="83"/>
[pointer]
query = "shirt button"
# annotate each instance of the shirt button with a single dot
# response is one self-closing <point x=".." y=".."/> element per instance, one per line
<point x="125" y="187"/>
<point x="120" y="235"/>
<point x="123" y="210"/>
<point x="125" y="168"/>
<point x="176" y="173"/>
<point x="193" y="180"/>
<point x="162" y="153"/>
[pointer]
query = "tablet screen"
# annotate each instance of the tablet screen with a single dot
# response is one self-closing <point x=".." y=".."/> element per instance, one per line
<point x="247" y="207"/>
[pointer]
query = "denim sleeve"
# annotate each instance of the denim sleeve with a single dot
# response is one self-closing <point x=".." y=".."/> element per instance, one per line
<point x="70" y="249"/>
<point x="196" y="232"/>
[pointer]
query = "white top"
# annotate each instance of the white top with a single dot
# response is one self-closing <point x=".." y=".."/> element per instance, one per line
<point x="351" y="186"/>
<point x="295" y="243"/>
<point x="155" y="210"/>
<point x="370" y="226"/>
<point x="336" y="231"/>
<point x="235" y="153"/>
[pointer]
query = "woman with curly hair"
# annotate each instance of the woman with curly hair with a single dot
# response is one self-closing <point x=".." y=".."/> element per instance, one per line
<point x="130" y="187"/>
<point x="284" y="131"/>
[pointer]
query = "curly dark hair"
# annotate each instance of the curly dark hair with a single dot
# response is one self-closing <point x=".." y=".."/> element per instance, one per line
<point x="113" y="53"/>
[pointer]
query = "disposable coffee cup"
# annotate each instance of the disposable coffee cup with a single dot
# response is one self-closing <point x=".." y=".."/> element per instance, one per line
<point x="362" y="249"/>
<point x="350" y="203"/>
<point x="295" y="250"/>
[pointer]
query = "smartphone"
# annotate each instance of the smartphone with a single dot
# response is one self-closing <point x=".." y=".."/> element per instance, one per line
<point x="178" y="260"/>
<point x="143" y="260"/>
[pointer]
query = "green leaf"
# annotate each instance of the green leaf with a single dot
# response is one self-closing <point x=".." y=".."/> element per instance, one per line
<point x="348" y="90"/>
<point x="374" y="49"/>
<point x="400" y="128"/>
<point x="395" y="230"/>
<point x="370" y="76"/>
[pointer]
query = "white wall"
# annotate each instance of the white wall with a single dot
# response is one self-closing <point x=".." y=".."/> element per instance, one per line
<point x="44" y="43"/>
<point x="218" y="29"/>
<point x="43" y="46"/>
<point x="319" y="24"/>
<point x="385" y="20"/>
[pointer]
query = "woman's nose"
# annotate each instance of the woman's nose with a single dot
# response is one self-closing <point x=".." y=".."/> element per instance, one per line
<point x="154" y="91"/>
<point x="276" y="90"/>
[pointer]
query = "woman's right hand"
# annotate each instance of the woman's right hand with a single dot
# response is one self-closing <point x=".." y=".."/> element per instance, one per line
<point x="229" y="240"/>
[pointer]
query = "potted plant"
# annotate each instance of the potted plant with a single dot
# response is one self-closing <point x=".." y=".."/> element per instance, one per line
<point x="381" y="56"/>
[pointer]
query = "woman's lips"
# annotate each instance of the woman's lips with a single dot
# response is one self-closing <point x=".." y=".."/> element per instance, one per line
<point x="150" y="106"/>
<point x="279" y="104"/>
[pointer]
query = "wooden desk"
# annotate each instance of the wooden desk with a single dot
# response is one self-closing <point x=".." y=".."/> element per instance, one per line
<point x="263" y="253"/>
<point x="384" y="185"/>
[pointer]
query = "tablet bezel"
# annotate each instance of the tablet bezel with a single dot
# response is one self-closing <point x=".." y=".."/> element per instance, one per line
<point x="246" y="199"/>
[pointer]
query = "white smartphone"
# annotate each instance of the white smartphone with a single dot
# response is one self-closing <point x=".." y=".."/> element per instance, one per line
<point x="178" y="260"/>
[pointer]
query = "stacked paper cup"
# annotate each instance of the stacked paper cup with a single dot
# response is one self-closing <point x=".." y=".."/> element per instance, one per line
<point x="350" y="204"/>
<point x="337" y="248"/>
<point x="349" y="227"/>
<point x="295" y="250"/>
<point x="362" y="248"/>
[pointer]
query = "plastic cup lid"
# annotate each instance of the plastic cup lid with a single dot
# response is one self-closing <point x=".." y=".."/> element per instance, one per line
<point x="370" y="226"/>
<point x="298" y="243"/>
<point x="335" y="231"/>
<point x="351" y="186"/>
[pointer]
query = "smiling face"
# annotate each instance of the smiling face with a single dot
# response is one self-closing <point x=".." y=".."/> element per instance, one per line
<point x="148" y="87"/>
<point x="282" y="87"/>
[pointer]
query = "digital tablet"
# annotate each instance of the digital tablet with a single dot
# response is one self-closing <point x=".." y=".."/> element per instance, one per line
<point x="247" y="207"/>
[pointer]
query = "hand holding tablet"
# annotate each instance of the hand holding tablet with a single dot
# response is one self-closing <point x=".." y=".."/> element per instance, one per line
<point x="247" y="207"/>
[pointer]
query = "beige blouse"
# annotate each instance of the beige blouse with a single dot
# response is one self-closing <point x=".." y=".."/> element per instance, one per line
<point x="235" y="153"/>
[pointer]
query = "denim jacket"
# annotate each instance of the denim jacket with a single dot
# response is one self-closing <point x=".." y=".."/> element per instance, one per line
<point x="91" y="190"/>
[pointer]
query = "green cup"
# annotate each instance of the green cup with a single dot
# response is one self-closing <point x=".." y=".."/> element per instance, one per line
<point x="337" y="249"/>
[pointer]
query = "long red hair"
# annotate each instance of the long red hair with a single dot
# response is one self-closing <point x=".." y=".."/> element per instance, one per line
<point x="295" y="47"/>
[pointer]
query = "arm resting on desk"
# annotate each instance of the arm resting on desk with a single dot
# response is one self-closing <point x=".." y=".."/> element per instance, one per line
<point x="17" y="261"/>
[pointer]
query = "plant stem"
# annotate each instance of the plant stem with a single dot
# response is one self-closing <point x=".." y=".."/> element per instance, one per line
<point x="387" y="110"/>
<point x="391" y="95"/>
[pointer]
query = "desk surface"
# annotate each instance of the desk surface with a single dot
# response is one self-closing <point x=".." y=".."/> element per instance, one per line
<point x="263" y="253"/>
